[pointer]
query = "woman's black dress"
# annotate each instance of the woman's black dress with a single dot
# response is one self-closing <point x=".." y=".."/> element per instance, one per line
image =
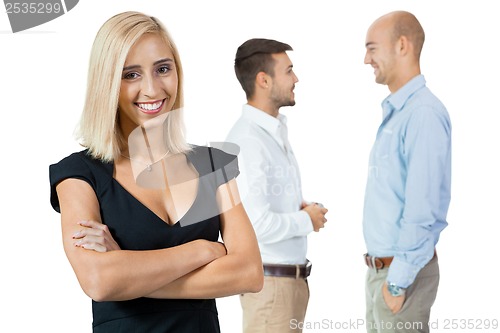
<point x="135" y="227"/>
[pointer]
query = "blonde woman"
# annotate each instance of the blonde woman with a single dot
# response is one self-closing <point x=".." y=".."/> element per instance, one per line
<point x="137" y="205"/>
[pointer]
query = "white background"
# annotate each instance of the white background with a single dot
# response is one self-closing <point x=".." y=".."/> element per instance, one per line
<point x="331" y="128"/>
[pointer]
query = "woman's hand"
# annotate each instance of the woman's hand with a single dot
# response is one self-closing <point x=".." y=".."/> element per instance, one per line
<point x="219" y="249"/>
<point x="95" y="236"/>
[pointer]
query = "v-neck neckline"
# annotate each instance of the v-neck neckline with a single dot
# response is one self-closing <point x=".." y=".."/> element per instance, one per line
<point x="178" y="222"/>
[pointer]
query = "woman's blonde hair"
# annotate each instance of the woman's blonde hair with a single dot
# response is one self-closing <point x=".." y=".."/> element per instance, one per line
<point x="98" y="129"/>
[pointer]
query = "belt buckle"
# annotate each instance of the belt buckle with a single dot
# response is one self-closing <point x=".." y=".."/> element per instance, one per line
<point x="372" y="262"/>
<point x="307" y="267"/>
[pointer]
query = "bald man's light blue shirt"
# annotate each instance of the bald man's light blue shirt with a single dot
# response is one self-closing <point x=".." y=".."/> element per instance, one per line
<point x="409" y="178"/>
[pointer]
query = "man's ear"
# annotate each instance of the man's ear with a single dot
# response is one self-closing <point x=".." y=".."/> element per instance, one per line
<point x="262" y="80"/>
<point x="403" y="45"/>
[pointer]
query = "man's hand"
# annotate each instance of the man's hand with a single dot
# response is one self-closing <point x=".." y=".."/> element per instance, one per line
<point x="316" y="213"/>
<point x="394" y="303"/>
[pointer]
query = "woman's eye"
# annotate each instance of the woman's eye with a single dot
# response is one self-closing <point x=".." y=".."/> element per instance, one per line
<point x="130" y="76"/>
<point x="163" y="69"/>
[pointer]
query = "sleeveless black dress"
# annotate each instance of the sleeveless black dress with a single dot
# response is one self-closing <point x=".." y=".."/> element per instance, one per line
<point x="135" y="227"/>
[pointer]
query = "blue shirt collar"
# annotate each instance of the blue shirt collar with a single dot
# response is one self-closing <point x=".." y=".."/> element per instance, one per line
<point x="397" y="100"/>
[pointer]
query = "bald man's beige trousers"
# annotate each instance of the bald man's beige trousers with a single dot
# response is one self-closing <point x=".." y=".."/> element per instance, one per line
<point x="415" y="313"/>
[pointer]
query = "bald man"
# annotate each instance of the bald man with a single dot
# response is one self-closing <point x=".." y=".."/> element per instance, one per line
<point x="408" y="187"/>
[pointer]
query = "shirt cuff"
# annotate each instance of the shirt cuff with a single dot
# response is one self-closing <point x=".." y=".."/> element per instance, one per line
<point x="402" y="273"/>
<point x="305" y="223"/>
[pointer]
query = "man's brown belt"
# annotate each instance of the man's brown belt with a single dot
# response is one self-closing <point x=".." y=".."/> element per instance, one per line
<point x="380" y="262"/>
<point x="293" y="271"/>
<point x="377" y="262"/>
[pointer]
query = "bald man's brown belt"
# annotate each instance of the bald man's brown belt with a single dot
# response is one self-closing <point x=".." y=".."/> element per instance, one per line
<point x="380" y="262"/>
<point x="377" y="262"/>
<point x="293" y="271"/>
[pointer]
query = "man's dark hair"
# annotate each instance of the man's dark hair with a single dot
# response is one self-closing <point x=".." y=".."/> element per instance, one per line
<point x="254" y="56"/>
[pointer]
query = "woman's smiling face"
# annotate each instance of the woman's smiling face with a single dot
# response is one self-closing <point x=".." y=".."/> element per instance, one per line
<point x="149" y="82"/>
